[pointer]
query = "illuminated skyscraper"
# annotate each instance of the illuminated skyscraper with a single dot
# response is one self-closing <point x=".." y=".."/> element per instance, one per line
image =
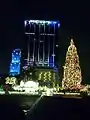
<point x="15" y="62"/>
<point x="41" y="37"/>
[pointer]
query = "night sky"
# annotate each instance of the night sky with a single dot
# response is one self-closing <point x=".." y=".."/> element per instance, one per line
<point x="74" y="19"/>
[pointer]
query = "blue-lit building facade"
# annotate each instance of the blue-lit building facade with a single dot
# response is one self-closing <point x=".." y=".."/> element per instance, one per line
<point x="41" y="39"/>
<point x="15" y="62"/>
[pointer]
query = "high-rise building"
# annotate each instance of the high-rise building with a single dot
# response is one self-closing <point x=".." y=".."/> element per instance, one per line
<point x="15" y="62"/>
<point x="41" y="38"/>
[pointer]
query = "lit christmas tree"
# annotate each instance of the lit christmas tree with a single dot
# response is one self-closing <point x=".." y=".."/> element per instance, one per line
<point x="72" y="72"/>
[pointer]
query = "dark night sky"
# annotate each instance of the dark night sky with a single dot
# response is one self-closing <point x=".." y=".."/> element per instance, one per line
<point x="74" y="18"/>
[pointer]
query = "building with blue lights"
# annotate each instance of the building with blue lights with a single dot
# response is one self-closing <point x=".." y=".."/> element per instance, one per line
<point x="15" y="62"/>
<point x="41" y="39"/>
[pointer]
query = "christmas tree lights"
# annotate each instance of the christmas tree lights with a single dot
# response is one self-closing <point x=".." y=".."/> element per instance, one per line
<point x="49" y="76"/>
<point x="40" y="76"/>
<point x="45" y="76"/>
<point x="53" y="80"/>
<point x="72" y="72"/>
<point x="11" y="80"/>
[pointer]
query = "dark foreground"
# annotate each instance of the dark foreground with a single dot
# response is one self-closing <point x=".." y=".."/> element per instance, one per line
<point x="48" y="108"/>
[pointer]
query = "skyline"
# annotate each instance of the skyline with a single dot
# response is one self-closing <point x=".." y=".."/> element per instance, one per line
<point x="72" y="24"/>
<point x="64" y="41"/>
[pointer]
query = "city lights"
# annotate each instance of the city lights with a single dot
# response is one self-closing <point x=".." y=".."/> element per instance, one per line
<point x="15" y="62"/>
<point x="56" y="45"/>
<point x="36" y="70"/>
<point x="41" y="22"/>
<point x="45" y="76"/>
<point x="49" y="75"/>
<point x="40" y="76"/>
<point x="11" y="80"/>
<point x="42" y="31"/>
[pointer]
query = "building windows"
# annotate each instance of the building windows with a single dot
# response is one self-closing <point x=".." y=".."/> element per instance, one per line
<point x="15" y="62"/>
<point x="45" y="34"/>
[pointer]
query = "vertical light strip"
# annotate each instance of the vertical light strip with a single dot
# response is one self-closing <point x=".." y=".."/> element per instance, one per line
<point x="39" y="45"/>
<point x="54" y="46"/>
<point x="48" y="47"/>
<point x="28" y="58"/>
<point x="34" y="45"/>
<point x="44" y="46"/>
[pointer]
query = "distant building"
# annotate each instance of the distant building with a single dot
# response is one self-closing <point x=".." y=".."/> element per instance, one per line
<point x="41" y="43"/>
<point x="15" y="62"/>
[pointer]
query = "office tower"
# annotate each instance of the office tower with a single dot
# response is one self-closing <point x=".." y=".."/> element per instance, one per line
<point x="41" y="38"/>
<point x="15" y="62"/>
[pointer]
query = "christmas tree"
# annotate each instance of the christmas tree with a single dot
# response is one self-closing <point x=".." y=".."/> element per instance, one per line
<point x="72" y="72"/>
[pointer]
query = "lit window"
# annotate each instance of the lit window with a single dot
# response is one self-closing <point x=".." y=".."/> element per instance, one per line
<point x="56" y="45"/>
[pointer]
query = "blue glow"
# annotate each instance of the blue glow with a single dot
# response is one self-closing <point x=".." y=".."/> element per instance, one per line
<point x="15" y="67"/>
<point x="51" y="62"/>
<point x="40" y="22"/>
<point x="15" y="62"/>
<point x="16" y="55"/>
